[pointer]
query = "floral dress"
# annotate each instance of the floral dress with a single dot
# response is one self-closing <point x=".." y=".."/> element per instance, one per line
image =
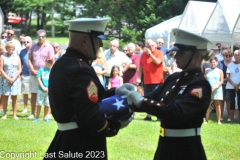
<point x="10" y="67"/>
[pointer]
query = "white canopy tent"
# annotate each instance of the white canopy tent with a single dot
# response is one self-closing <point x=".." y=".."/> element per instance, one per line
<point x="196" y="16"/>
<point x="163" y="30"/>
<point x="224" y="24"/>
<point x="219" y="22"/>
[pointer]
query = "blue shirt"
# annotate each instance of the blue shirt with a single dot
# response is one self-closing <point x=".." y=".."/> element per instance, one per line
<point x="43" y="73"/>
<point x="164" y="50"/>
<point x="24" y="60"/>
<point x="221" y="65"/>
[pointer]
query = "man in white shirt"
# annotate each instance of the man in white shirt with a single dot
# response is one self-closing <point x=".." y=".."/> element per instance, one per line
<point x="116" y="57"/>
<point x="17" y="44"/>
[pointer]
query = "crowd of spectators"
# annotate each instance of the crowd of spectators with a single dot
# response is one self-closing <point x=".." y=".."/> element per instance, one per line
<point x="20" y="61"/>
<point x="144" y="65"/>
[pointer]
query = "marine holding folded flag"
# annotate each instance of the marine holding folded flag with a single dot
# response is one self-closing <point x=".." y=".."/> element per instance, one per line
<point x="180" y="102"/>
<point x="76" y="94"/>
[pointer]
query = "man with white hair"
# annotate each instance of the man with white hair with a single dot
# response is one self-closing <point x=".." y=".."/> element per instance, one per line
<point x="151" y="67"/>
<point x="160" y="42"/>
<point x="56" y="48"/>
<point x="131" y="74"/>
<point x="25" y="76"/>
<point x="116" y="57"/>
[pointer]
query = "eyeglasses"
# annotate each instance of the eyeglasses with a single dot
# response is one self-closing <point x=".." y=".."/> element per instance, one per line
<point x="3" y="37"/>
<point x="125" y="50"/>
<point x="161" y="42"/>
<point x="26" y="42"/>
<point x="10" y="34"/>
<point x="224" y="48"/>
<point x="228" y="56"/>
<point x="55" y="46"/>
<point x="236" y="55"/>
<point x="41" y="36"/>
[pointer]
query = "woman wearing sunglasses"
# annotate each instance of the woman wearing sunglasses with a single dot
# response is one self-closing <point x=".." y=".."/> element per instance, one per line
<point x="227" y="59"/>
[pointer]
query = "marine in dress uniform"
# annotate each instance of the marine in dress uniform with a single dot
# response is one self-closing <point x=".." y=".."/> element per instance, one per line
<point x="181" y="102"/>
<point x="75" y="92"/>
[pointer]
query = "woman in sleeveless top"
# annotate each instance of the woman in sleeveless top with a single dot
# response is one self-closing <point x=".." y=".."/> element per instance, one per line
<point x="2" y="52"/>
<point x="10" y="67"/>
<point x="214" y="76"/>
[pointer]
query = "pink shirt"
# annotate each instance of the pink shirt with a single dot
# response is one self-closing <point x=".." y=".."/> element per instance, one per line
<point x="115" y="82"/>
<point x="39" y="55"/>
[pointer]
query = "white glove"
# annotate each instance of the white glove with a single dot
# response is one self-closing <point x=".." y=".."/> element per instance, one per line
<point x="125" y="89"/>
<point x="125" y="123"/>
<point x="134" y="98"/>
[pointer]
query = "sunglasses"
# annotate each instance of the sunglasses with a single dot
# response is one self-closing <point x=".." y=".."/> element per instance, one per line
<point x="11" y="34"/>
<point x="41" y="36"/>
<point x="228" y="56"/>
<point x="26" y="42"/>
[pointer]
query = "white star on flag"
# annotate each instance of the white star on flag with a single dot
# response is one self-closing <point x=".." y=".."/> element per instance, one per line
<point x="119" y="104"/>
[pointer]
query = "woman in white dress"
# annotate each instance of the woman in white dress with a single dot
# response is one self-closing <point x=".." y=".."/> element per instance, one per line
<point x="214" y="76"/>
<point x="10" y="67"/>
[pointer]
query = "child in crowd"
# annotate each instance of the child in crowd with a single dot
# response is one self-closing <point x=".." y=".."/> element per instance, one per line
<point x="42" y="94"/>
<point x="115" y="79"/>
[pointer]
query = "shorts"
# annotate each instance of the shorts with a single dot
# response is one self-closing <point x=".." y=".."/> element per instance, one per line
<point x="149" y="88"/>
<point x="42" y="98"/>
<point x="25" y="84"/>
<point x="33" y="84"/>
<point x="225" y="92"/>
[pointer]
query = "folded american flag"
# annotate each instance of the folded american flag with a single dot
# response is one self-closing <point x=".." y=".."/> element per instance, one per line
<point x="116" y="108"/>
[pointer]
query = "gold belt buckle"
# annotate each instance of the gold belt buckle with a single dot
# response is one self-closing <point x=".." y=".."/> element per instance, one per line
<point x="161" y="131"/>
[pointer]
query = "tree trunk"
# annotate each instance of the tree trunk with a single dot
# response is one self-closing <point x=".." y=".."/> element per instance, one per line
<point x="38" y="18"/>
<point x="53" y="26"/>
<point x="29" y="22"/>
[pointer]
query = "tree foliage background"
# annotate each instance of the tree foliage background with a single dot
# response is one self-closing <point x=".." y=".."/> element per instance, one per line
<point x="129" y="18"/>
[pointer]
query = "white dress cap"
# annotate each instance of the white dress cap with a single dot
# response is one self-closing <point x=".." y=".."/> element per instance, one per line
<point x="189" y="39"/>
<point x="94" y="26"/>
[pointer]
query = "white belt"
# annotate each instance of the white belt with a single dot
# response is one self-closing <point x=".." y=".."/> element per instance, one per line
<point x="179" y="132"/>
<point x="67" y="126"/>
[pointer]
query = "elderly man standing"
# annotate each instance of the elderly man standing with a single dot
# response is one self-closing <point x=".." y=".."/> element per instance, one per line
<point x="56" y="49"/>
<point x="151" y="66"/>
<point x="37" y="57"/>
<point x="74" y="94"/>
<point x="116" y="57"/>
<point x="160" y="43"/>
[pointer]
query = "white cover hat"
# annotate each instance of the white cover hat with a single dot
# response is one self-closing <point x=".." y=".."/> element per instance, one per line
<point x="95" y="26"/>
<point x="189" y="39"/>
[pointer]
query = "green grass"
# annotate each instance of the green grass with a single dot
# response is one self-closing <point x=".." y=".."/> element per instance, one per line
<point x="136" y="142"/>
